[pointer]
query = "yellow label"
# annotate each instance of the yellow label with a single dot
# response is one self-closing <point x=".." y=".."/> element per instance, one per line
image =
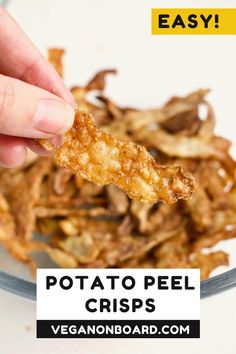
<point x="193" y="21"/>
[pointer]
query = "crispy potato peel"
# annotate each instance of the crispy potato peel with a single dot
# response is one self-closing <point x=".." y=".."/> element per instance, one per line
<point x="102" y="159"/>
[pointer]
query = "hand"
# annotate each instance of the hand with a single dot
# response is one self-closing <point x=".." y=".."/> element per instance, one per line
<point x="34" y="102"/>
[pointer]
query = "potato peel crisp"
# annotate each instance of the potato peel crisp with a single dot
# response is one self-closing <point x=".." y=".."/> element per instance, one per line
<point x="102" y="159"/>
<point x="82" y="224"/>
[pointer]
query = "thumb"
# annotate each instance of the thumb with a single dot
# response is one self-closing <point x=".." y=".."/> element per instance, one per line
<point x="31" y="112"/>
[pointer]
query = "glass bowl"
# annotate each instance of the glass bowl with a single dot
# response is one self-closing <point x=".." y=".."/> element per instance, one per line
<point x="109" y="34"/>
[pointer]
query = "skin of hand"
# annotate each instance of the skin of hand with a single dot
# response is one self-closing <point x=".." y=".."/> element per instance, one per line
<point x="34" y="102"/>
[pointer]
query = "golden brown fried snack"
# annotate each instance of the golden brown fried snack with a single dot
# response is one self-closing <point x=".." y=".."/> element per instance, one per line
<point x="102" y="159"/>
<point x="87" y="225"/>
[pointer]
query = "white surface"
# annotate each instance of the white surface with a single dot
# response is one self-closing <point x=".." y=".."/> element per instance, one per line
<point x="116" y="33"/>
<point x="218" y="318"/>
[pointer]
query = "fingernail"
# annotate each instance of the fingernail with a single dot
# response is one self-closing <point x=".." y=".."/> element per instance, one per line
<point x="55" y="117"/>
<point x="57" y="140"/>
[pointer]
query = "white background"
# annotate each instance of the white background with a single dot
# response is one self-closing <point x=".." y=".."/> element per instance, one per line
<point x="116" y="33"/>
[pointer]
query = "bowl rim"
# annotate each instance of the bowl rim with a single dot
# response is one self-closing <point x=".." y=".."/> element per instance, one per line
<point x="27" y="289"/>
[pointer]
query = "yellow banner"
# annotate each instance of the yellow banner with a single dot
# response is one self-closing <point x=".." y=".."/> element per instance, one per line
<point x="193" y="21"/>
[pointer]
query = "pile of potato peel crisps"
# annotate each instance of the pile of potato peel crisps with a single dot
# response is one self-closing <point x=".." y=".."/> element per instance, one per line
<point x="85" y="225"/>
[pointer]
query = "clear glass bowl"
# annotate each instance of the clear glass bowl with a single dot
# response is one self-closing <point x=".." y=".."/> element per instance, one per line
<point x="151" y="70"/>
<point x="27" y="289"/>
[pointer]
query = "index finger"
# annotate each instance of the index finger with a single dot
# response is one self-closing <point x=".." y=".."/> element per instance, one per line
<point x="23" y="61"/>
